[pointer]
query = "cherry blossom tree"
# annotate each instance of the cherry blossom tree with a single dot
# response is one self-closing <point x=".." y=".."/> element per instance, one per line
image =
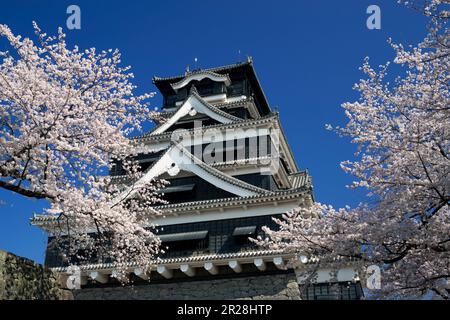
<point x="64" y="114"/>
<point x="402" y="130"/>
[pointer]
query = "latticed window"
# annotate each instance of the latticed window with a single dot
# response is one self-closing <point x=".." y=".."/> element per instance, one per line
<point x="220" y="236"/>
<point x="334" y="291"/>
<point x="237" y="88"/>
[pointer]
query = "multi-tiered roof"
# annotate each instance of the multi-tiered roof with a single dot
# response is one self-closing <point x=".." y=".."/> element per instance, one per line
<point x="222" y="190"/>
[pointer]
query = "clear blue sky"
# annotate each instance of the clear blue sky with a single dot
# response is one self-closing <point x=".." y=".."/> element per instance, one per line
<point x="306" y="54"/>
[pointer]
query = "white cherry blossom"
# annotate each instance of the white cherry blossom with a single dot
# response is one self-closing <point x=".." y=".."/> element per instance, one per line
<point x="402" y="130"/>
<point x="64" y="114"/>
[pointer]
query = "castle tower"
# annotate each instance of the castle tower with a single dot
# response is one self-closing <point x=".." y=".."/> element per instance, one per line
<point x="231" y="171"/>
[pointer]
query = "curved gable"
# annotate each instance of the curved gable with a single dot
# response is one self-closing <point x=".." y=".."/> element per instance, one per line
<point x="193" y="104"/>
<point x="177" y="158"/>
<point x="198" y="76"/>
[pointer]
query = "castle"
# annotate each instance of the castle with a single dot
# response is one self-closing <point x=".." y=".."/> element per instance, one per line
<point x="231" y="171"/>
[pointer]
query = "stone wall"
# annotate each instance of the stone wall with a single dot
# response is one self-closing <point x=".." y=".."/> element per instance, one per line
<point x="22" y="279"/>
<point x="275" y="286"/>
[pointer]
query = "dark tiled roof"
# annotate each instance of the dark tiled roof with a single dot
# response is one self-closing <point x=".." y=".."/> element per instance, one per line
<point x="199" y="258"/>
<point x="214" y="70"/>
<point x="214" y="203"/>
<point x="194" y="93"/>
<point x="243" y="123"/>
